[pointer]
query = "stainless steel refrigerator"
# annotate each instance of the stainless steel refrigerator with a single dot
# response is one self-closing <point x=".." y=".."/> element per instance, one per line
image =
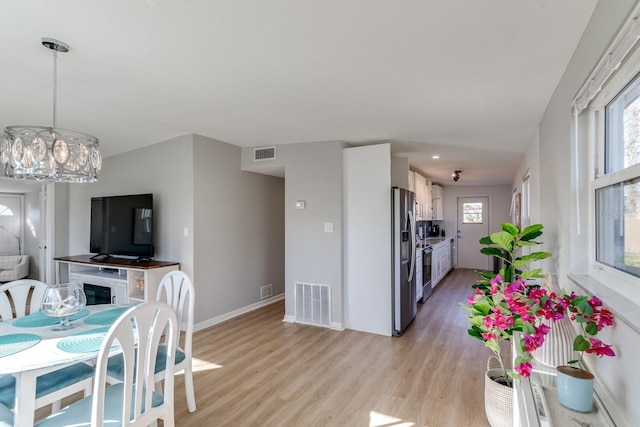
<point x="403" y="238"/>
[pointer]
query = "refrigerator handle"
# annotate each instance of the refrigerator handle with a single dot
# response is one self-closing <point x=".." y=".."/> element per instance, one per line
<point x="412" y="262"/>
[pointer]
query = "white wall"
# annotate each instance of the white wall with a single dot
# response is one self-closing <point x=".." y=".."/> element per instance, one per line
<point x="238" y="229"/>
<point x="164" y="169"/>
<point x="367" y="217"/>
<point x="313" y="173"/>
<point x="557" y="213"/>
<point x="197" y="184"/>
<point x="531" y="164"/>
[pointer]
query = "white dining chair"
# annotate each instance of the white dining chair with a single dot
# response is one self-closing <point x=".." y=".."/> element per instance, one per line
<point x="176" y="289"/>
<point x="18" y="291"/>
<point x="133" y="402"/>
<point x="51" y="388"/>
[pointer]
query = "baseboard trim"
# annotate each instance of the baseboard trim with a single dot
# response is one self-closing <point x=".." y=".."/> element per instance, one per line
<point x="289" y="318"/>
<point x="235" y="313"/>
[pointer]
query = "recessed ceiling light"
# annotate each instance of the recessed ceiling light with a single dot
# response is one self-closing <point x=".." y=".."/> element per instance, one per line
<point x="435" y="157"/>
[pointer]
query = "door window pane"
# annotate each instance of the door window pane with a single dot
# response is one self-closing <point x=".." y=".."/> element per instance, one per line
<point x="618" y="226"/>
<point x="472" y="213"/>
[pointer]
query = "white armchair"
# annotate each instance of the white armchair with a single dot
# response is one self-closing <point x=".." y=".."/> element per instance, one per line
<point x="13" y="267"/>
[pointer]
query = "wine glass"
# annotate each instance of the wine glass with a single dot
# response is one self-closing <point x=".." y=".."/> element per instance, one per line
<point x="61" y="301"/>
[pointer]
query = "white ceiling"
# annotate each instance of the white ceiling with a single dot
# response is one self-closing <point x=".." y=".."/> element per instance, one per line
<point x="466" y="79"/>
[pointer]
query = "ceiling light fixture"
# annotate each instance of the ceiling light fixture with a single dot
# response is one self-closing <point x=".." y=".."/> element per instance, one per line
<point x="456" y="175"/>
<point x="50" y="153"/>
<point x="435" y="157"/>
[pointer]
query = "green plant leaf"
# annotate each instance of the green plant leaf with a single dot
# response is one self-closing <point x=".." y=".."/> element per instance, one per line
<point x="477" y="321"/>
<point x="583" y="306"/>
<point x="494" y="346"/>
<point x="486" y="274"/>
<point x="486" y="240"/>
<point x="483" y="307"/>
<point x="474" y="333"/>
<point x="581" y="344"/>
<point x="591" y="329"/>
<point x="510" y="228"/>
<point x="503" y="240"/>
<point x="493" y="252"/>
<point x="531" y="232"/>
<point x="533" y="256"/>
<point x="528" y="328"/>
<point x="532" y="274"/>
<point x="526" y="243"/>
<point x="520" y="360"/>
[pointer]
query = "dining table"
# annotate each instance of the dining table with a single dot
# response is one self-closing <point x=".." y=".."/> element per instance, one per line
<point x="29" y="348"/>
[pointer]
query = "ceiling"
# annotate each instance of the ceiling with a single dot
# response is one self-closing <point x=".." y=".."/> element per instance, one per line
<point x="467" y="80"/>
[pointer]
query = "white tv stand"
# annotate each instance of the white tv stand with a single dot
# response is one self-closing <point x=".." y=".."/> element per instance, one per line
<point x="134" y="281"/>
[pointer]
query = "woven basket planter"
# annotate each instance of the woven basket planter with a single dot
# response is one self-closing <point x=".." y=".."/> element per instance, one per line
<point x="498" y="398"/>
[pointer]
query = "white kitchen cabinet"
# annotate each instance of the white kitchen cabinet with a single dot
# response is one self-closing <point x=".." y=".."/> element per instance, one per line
<point x="441" y="261"/>
<point x="412" y="181"/>
<point x="420" y="190"/>
<point x="428" y="205"/>
<point x="437" y="202"/>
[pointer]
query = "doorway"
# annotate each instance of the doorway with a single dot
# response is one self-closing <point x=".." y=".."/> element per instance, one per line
<point x="473" y="224"/>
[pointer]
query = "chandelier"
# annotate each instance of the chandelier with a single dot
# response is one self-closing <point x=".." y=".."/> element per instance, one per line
<point x="49" y="153"/>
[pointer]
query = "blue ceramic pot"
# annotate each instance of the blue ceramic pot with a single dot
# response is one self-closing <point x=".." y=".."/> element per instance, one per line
<point x="575" y="388"/>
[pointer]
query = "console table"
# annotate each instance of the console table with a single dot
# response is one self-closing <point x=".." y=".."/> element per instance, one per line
<point x="133" y="281"/>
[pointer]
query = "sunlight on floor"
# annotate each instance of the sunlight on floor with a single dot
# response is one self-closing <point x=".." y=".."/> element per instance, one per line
<point x="200" y="365"/>
<point x="376" y="419"/>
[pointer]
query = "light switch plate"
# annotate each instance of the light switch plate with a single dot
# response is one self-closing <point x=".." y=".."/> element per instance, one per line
<point x="300" y="204"/>
<point x="328" y="227"/>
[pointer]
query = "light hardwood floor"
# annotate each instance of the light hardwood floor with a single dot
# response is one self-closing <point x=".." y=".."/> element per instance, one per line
<point x="255" y="370"/>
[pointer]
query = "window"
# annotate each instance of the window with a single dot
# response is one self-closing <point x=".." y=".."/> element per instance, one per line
<point x="472" y="213"/>
<point x="617" y="190"/>
<point x="622" y="121"/>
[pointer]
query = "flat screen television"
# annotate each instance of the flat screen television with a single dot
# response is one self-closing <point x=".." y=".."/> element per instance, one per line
<point x="122" y="226"/>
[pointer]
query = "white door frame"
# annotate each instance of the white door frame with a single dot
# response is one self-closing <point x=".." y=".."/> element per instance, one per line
<point x="46" y="244"/>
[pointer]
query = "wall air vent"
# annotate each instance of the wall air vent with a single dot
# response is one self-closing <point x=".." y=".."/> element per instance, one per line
<point x="313" y="304"/>
<point x="264" y="153"/>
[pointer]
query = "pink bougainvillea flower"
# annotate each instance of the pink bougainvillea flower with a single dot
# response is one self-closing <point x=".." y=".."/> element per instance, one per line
<point x="494" y="288"/>
<point x="524" y="370"/>
<point x="489" y="336"/>
<point x="599" y="348"/>
<point x="605" y="319"/>
<point x="501" y="321"/>
<point x="595" y="302"/>
<point x="496" y="280"/>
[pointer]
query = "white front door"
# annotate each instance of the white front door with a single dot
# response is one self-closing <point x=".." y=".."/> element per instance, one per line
<point x="473" y="224"/>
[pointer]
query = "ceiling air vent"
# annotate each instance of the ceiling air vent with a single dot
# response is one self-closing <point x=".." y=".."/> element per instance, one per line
<point x="265" y="153"/>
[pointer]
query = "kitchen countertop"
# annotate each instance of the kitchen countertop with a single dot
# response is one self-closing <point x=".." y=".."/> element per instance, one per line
<point x="431" y="241"/>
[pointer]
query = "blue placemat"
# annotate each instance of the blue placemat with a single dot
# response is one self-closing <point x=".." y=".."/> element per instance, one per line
<point x="13" y="343"/>
<point x="84" y="342"/>
<point x="105" y="317"/>
<point x="38" y="319"/>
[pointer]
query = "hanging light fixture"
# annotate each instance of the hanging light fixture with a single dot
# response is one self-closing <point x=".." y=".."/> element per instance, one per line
<point x="456" y="175"/>
<point x="49" y="153"/>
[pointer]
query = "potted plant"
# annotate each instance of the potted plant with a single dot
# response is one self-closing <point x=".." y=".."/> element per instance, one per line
<point x="504" y="303"/>
<point x="495" y="311"/>
<point x="491" y="309"/>
<point x="575" y="382"/>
